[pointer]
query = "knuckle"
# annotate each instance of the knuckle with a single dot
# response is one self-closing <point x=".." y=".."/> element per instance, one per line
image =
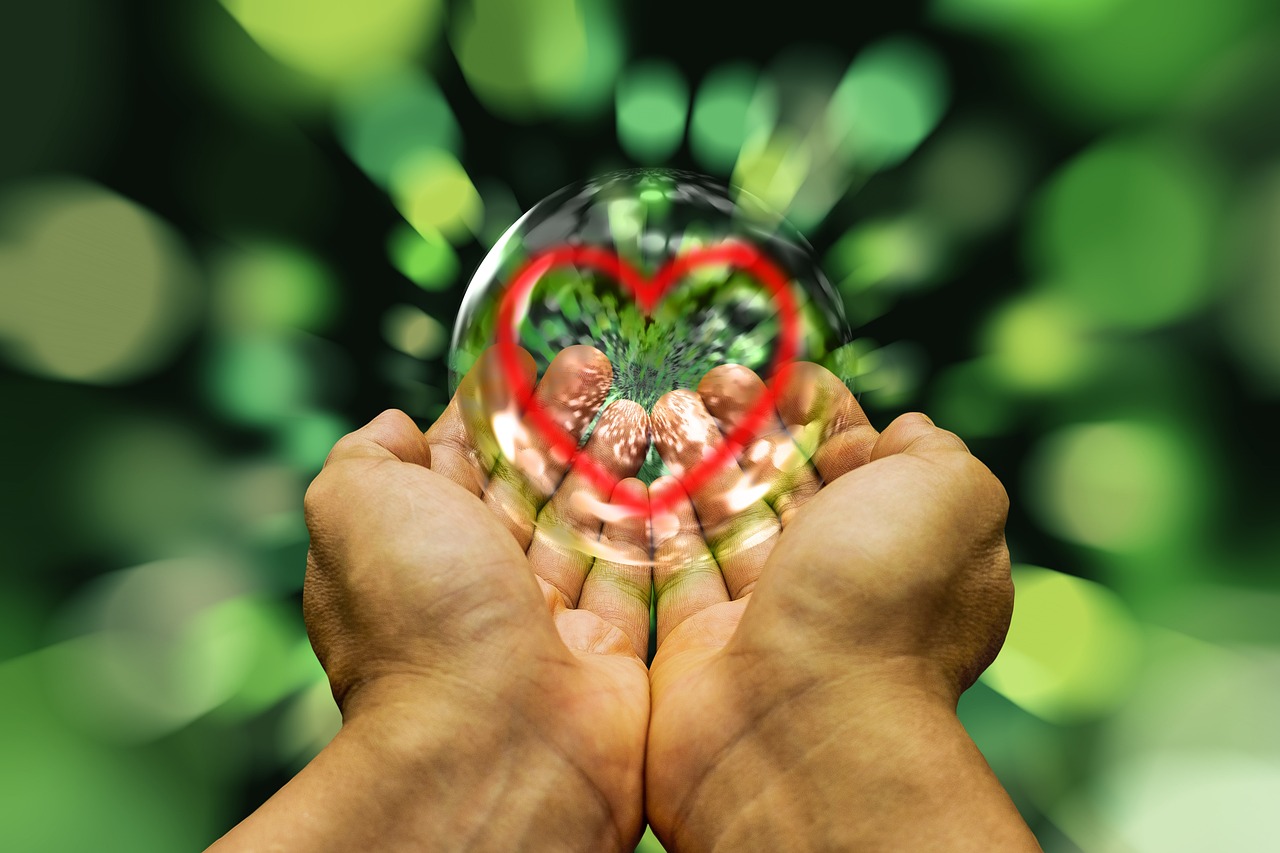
<point x="632" y="539"/>
<point x="342" y="446"/>
<point x="318" y="496"/>
<point x="993" y="492"/>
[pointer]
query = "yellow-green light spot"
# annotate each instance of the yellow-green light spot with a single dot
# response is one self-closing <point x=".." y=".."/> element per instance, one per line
<point x="1123" y="485"/>
<point x="1039" y="342"/>
<point x="273" y="287"/>
<point x="1115" y="61"/>
<point x="310" y="721"/>
<point x="306" y="439"/>
<point x="259" y="379"/>
<point x="335" y="40"/>
<point x="414" y="332"/>
<point x="426" y="259"/>
<point x="772" y="167"/>
<point x="1179" y="799"/>
<point x="891" y="98"/>
<point x="524" y="59"/>
<point x="653" y="102"/>
<point x="725" y="112"/>
<point x="1126" y="232"/>
<point x="1072" y="651"/>
<point x="385" y="121"/>
<point x="434" y="194"/>
<point x="897" y="254"/>
<point x="1253" y="310"/>
<point x="96" y="289"/>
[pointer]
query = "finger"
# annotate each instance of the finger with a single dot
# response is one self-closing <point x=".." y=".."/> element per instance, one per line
<point x="738" y="525"/>
<point x="915" y="433"/>
<point x="824" y="416"/>
<point x="530" y="466"/>
<point x="568" y="527"/>
<point x="464" y="446"/>
<point x="618" y="587"/>
<point x="686" y="578"/>
<point x="769" y="455"/>
<point x="452" y="453"/>
<point x="391" y="435"/>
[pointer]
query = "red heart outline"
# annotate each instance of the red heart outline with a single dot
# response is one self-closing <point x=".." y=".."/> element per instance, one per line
<point x="648" y="293"/>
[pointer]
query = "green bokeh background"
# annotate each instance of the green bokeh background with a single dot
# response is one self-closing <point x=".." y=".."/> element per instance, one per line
<point x="232" y="231"/>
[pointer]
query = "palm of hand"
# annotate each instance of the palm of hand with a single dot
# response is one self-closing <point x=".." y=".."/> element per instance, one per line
<point x="592" y="579"/>
<point x="494" y="601"/>
<point x="712" y="550"/>
<point x="708" y="551"/>
<point x="483" y="584"/>
<point x="891" y="584"/>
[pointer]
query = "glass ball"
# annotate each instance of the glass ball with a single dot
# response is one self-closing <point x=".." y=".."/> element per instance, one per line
<point x="712" y="314"/>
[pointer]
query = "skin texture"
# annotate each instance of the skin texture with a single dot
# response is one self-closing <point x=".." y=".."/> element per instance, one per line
<point x="821" y="604"/>
<point x="489" y="682"/>
<point x="813" y="642"/>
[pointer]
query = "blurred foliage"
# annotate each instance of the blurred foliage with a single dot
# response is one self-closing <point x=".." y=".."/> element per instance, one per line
<point x="229" y="232"/>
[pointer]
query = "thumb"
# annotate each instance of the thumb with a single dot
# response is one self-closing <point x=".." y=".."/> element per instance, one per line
<point x="914" y="433"/>
<point x="391" y="435"/>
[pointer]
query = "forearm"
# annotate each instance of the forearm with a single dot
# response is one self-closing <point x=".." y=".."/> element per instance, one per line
<point x="395" y="778"/>
<point x="898" y="774"/>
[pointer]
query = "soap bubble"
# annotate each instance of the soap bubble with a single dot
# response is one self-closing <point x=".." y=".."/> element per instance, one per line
<point x="578" y="268"/>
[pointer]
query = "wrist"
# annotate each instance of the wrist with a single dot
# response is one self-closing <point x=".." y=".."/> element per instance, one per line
<point x="871" y="760"/>
<point x="417" y="766"/>
<point x="785" y="779"/>
<point x="474" y="773"/>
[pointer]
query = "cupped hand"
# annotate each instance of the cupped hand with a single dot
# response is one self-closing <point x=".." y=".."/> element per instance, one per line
<point x="821" y="605"/>
<point x="449" y="590"/>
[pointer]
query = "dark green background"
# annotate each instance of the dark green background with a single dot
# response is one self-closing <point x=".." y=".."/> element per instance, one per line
<point x="1066" y="251"/>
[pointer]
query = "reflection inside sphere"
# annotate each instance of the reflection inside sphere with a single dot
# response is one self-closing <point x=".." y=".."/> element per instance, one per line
<point x="669" y="275"/>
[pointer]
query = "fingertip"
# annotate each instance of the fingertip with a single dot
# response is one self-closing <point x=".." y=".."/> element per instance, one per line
<point x="729" y="392"/>
<point x="391" y="433"/>
<point x="634" y="495"/>
<point x="488" y="385"/>
<point x="574" y="386"/>
<point x="620" y="439"/>
<point x="683" y="428"/>
<point x="631" y="526"/>
<point x="809" y="393"/>
<point x="673" y="401"/>
<point x="627" y="412"/>
<point x="800" y="389"/>
<point x="490" y="361"/>
<point x="394" y="419"/>
<point x="583" y="361"/>
<point x="915" y="432"/>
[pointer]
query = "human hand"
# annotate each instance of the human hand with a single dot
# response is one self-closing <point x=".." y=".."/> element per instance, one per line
<point x="489" y="677"/>
<point x="814" y="639"/>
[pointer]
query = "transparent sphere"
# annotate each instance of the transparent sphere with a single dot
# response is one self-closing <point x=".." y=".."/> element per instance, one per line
<point x="669" y="274"/>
